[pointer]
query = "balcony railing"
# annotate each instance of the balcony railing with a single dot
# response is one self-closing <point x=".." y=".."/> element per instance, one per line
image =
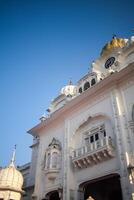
<point x="93" y="153"/>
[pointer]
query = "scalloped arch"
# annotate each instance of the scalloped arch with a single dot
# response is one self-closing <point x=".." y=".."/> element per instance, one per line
<point x="90" y="119"/>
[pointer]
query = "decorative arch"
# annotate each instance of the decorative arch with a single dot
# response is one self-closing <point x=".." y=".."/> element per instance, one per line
<point x="92" y="118"/>
<point x="92" y="129"/>
<point x="99" y="184"/>
<point x="54" y="194"/>
<point x="80" y="90"/>
<point x="86" y="85"/>
<point x="93" y="81"/>
<point x="2" y="195"/>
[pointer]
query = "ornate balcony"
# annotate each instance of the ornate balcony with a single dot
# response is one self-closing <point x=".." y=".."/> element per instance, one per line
<point x="96" y="152"/>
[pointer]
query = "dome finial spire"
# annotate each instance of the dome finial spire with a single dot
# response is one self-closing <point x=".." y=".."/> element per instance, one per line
<point x="13" y="156"/>
<point x="70" y="81"/>
<point x="114" y="36"/>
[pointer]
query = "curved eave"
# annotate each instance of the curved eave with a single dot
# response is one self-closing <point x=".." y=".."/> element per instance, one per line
<point x="111" y="80"/>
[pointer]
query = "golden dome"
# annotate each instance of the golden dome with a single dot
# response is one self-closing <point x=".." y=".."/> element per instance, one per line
<point x="11" y="178"/>
<point x="114" y="43"/>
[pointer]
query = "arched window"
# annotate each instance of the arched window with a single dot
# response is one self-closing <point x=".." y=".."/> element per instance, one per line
<point x="80" y="90"/>
<point x="93" y="81"/>
<point x="52" y="155"/>
<point x="86" y="86"/>
<point x="54" y="159"/>
<point x="48" y="160"/>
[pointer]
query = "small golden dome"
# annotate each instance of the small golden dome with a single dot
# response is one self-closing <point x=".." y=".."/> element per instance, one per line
<point x="114" y="43"/>
<point x="10" y="177"/>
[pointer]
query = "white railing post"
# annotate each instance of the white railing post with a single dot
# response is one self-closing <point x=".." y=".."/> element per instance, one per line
<point x="76" y="152"/>
<point x="104" y="140"/>
<point x="101" y="142"/>
<point x="79" y="151"/>
<point x="82" y="151"/>
<point x="107" y="140"/>
<point x="73" y="154"/>
<point x="85" y="149"/>
<point x="92" y="146"/>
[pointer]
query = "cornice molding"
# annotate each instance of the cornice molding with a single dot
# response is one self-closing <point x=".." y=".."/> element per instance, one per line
<point x="109" y="82"/>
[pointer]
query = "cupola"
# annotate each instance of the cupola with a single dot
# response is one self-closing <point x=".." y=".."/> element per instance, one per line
<point x="69" y="90"/>
<point x="67" y="93"/>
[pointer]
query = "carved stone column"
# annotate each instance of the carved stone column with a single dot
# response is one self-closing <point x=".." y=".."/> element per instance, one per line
<point x="80" y="194"/>
<point x="66" y="159"/>
<point x="125" y="184"/>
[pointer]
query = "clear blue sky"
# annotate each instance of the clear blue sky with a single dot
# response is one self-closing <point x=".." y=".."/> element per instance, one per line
<point x="43" y="44"/>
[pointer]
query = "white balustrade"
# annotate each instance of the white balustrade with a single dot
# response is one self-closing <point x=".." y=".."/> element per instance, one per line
<point x="87" y="149"/>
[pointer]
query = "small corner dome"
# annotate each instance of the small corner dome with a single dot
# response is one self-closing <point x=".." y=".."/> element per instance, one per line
<point x="10" y="177"/>
<point x="114" y="43"/>
<point x="69" y="90"/>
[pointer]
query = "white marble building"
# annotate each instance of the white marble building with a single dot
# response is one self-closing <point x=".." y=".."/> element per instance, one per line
<point x="84" y="149"/>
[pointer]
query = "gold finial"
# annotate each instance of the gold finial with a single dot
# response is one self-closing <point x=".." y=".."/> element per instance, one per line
<point x="114" y="36"/>
<point x="13" y="156"/>
<point x="90" y="198"/>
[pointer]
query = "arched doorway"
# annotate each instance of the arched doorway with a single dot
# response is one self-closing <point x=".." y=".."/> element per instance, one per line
<point x="104" y="188"/>
<point x="54" y="196"/>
